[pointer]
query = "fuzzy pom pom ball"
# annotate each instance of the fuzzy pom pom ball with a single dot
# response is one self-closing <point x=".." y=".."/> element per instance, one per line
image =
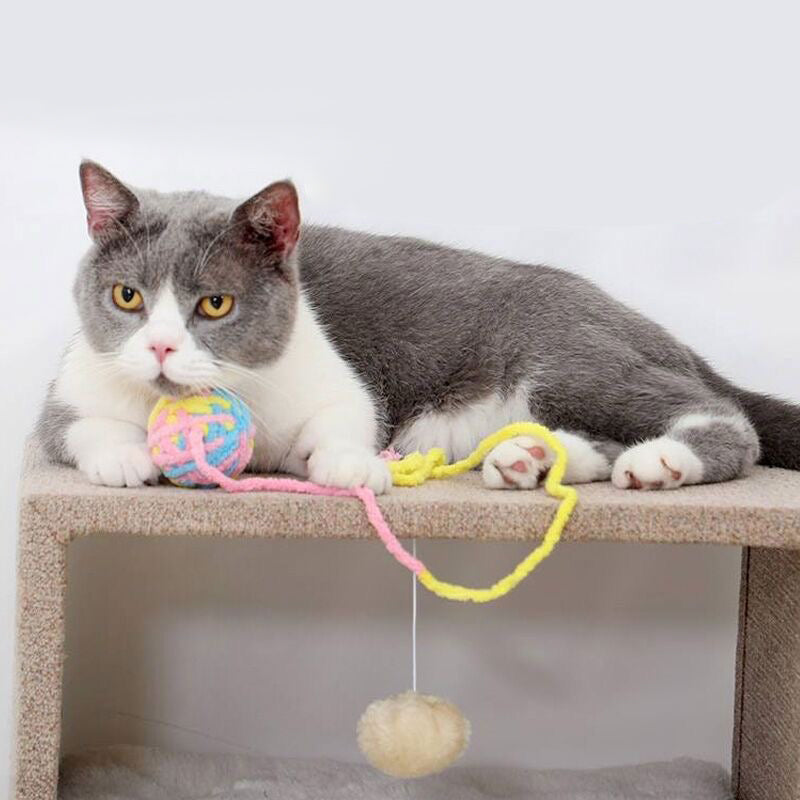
<point x="411" y="735"/>
<point x="219" y="423"/>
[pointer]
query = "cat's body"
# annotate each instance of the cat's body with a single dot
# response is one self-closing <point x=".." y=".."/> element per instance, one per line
<point x="349" y="342"/>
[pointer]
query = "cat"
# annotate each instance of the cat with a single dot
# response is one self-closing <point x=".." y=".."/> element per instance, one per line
<point x="345" y="343"/>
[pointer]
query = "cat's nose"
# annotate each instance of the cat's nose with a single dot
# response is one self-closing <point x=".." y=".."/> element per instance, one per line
<point x="161" y="350"/>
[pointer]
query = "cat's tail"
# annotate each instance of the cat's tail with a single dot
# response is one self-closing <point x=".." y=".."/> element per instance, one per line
<point x="776" y="421"/>
<point x="778" y="426"/>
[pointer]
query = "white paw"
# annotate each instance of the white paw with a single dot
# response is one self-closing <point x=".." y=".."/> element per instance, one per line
<point x="518" y="463"/>
<point x="347" y="468"/>
<point x="661" y="463"/>
<point x="122" y="464"/>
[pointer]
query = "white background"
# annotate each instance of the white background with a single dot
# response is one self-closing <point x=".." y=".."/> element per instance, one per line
<point x="650" y="146"/>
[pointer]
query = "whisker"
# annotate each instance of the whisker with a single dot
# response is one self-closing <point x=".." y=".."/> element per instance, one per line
<point x="253" y="376"/>
<point x="106" y="368"/>
<point x="282" y="442"/>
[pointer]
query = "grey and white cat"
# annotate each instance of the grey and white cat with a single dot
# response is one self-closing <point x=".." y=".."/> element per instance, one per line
<point x="343" y="343"/>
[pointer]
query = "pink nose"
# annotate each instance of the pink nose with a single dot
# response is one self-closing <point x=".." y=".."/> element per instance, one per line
<point x="161" y="351"/>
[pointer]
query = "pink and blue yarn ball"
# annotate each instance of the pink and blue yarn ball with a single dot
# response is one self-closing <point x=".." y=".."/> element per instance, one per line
<point x="220" y="418"/>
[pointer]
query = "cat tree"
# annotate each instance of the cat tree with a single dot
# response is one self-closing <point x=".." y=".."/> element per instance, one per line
<point x="761" y="514"/>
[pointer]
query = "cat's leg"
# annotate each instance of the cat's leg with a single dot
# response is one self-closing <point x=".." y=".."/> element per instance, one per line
<point x="110" y="452"/>
<point x="524" y="461"/>
<point x="337" y="447"/>
<point x="705" y="445"/>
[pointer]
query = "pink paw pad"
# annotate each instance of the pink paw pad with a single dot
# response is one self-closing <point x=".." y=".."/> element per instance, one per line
<point x="517" y="463"/>
<point x="676" y="473"/>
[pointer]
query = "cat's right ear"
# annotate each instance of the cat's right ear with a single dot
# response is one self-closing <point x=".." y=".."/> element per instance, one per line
<point x="270" y="220"/>
<point x="108" y="201"/>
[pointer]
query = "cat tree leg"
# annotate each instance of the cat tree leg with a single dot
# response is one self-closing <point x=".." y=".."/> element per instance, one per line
<point x="41" y="582"/>
<point x="766" y="742"/>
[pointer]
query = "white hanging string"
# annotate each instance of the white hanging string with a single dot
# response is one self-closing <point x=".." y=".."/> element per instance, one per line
<point x="414" y="621"/>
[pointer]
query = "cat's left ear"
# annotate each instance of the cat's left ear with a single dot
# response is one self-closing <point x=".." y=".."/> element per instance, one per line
<point x="271" y="219"/>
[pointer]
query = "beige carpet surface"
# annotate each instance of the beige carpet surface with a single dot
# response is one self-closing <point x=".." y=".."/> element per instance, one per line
<point x="130" y="773"/>
<point x="763" y="509"/>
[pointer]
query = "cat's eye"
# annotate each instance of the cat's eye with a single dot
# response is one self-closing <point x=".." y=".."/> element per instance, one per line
<point x="215" y="306"/>
<point x="126" y="298"/>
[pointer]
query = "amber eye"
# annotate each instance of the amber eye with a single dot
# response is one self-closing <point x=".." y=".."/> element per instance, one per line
<point x="126" y="298"/>
<point x="215" y="305"/>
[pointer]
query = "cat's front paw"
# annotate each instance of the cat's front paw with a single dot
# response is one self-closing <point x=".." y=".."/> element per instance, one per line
<point x="348" y="468"/>
<point x="122" y="464"/>
<point x="661" y="463"/>
<point x="519" y="463"/>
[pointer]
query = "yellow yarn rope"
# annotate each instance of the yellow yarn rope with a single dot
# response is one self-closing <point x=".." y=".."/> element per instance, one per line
<point x="416" y="468"/>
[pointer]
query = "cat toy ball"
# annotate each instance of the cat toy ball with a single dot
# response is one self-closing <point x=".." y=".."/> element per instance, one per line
<point x="220" y="420"/>
<point x="207" y="441"/>
<point x="411" y="735"/>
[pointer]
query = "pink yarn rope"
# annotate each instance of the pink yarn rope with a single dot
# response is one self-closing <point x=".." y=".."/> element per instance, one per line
<point x="258" y="484"/>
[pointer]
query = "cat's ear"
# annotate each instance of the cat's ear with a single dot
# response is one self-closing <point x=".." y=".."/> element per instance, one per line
<point x="108" y="201"/>
<point x="271" y="219"/>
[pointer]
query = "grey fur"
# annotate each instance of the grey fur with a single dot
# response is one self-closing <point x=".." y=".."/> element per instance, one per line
<point x="52" y="425"/>
<point x="432" y="328"/>
<point x="608" y="448"/>
<point x="727" y="448"/>
<point x="435" y="328"/>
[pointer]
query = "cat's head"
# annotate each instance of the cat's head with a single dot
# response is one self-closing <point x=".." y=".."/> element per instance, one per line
<point x="185" y="291"/>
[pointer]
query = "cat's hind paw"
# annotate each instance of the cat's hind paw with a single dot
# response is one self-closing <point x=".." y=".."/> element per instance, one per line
<point x="519" y="463"/>
<point x="662" y="463"/>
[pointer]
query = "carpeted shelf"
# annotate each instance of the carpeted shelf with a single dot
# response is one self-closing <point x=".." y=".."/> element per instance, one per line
<point x="760" y="513"/>
<point x="761" y="510"/>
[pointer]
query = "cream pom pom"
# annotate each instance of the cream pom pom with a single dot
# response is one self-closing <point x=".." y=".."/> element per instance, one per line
<point x="410" y="735"/>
